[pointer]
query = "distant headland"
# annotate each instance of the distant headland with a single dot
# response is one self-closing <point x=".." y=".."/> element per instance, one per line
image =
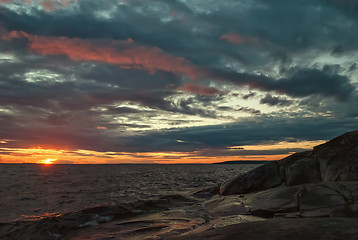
<point x="244" y="162"/>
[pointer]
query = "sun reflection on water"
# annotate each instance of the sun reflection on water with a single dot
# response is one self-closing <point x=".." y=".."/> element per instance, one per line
<point x="43" y="216"/>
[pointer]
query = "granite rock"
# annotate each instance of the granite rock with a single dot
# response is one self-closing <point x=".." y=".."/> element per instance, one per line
<point x="335" y="160"/>
<point x="293" y="229"/>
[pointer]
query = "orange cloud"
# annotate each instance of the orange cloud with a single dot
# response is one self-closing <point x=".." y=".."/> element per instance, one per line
<point x="238" y="39"/>
<point x="201" y="89"/>
<point x="44" y="155"/>
<point x="125" y="54"/>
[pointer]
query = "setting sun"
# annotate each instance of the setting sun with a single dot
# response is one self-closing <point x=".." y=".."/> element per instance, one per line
<point x="49" y="161"/>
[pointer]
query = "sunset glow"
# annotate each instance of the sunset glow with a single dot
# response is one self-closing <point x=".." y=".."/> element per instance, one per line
<point x="49" y="161"/>
<point x="234" y="153"/>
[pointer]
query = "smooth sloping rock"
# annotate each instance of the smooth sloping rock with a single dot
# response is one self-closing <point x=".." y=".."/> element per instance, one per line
<point x="314" y="196"/>
<point x="276" y="200"/>
<point x="220" y="222"/>
<point x="302" y="171"/>
<point x="336" y="160"/>
<point x="332" y="199"/>
<point x="339" y="211"/>
<point x="293" y="229"/>
<point x="220" y="206"/>
<point x="263" y="177"/>
<point x="352" y="188"/>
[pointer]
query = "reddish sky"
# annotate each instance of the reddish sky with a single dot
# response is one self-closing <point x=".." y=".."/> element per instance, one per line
<point x="118" y="81"/>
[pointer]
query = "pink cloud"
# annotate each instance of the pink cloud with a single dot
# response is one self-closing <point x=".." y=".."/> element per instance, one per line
<point x="49" y="6"/>
<point x="65" y="3"/>
<point x="125" y="54"/>
<point x="238" y="39"/>
<point x="201" y="89"/>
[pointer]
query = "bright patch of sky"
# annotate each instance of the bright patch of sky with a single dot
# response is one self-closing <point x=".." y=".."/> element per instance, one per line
<point x="45" y="76"/>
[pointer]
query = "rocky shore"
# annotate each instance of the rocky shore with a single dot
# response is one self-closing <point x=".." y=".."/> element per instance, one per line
<point x="308" y="195"/>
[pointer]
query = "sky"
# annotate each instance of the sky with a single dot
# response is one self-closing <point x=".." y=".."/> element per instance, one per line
<point x="174" y="81"/>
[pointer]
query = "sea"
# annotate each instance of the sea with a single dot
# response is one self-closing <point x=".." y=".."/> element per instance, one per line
<point x="33" y="192"/>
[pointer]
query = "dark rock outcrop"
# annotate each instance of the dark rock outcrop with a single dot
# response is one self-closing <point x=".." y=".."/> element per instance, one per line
<point x="336" y="160"/>
<point x="331" y="199"/>
<point x="308" y="195"/>
<point x="334" y="199"/>
<point x="263" y="177"/>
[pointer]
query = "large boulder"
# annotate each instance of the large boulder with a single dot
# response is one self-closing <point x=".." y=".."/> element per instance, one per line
<point x="299" y="169"/>
<point x="336" y="160"/>
<point x="264" y="177"/>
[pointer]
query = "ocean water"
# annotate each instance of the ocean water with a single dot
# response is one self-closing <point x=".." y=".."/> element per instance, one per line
<point x="33" y="191"/>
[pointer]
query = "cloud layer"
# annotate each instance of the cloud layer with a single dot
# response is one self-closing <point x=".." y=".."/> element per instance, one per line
<point x="185" y="77"/>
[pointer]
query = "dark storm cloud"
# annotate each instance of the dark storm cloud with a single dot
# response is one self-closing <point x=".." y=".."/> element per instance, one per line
<point x="94" y="86"/>
<point x="58" y="119"/>
<point x="337" y="50"/>
<point x="61" y="114"/>
<point x="124" y="24"/>
<point x="305" y="82"/>
<point x="247" y="96"/>
<point x="273" y="101"/>
<point x="133" y="79"/>
<point x="353" y="67"/>
<point x="47" y="112"/>
<point x="300" y="83"/>
<point x="240" y="109"/>
<point x="81" y="97"/>
<point x="312" y="20"/>
<point x="122" y="110"/>
<point x="128" y="23"/>
<point x="249" y="110"/>
<point x="347" y="7"/>
<point x="263" y="131"/>
<point x="230" y="152"/>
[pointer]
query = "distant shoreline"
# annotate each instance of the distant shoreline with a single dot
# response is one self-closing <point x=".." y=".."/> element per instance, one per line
<point x="244" y="162"/>
<point x="225" y="162"/>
